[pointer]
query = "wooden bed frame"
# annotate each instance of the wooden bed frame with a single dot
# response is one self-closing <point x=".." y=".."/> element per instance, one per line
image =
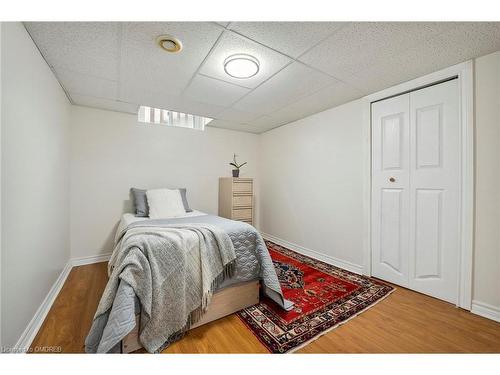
<point x="224" y="302"/>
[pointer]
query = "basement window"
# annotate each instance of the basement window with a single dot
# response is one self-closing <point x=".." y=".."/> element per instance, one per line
<point x="157" y="116"/>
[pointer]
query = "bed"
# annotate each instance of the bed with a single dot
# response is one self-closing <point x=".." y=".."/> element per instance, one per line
<point x="120" y="328"/>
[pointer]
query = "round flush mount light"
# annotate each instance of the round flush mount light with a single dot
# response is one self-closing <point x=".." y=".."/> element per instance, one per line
<point x="241" y="66"/>
<point x="169" y="43"/>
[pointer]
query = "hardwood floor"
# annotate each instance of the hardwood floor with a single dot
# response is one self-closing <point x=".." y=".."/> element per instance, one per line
<point x="405" y="322"/>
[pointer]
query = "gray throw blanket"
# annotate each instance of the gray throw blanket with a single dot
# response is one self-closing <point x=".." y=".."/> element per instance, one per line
<point x="173" y="270"/>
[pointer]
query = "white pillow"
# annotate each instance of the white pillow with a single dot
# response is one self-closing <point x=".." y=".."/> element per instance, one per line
<point x="165" y="203"/>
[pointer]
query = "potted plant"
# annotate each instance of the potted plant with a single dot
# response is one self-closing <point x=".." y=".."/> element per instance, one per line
<point x="236" y="169"/>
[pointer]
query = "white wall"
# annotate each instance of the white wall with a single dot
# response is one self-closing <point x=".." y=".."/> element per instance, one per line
<point x="312" y="181"/>
<point x="487" y="234"/>
<point x="111" y="152"/>
<point x="1" y="340"/>
<point x="35" y="183"/>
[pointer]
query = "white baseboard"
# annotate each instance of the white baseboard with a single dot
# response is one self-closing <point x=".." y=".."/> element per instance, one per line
<point x="316" y="255"/>
<point x="90" y="259"/>
<point x="485" y="310"/>
<point x="36" y="322"/>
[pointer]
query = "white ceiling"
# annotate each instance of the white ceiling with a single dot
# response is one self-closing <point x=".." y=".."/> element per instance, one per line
<point x="306" y="67"/>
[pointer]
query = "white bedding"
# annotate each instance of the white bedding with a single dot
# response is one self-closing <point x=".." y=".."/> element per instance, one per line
<point x="129" y="218"/>
<point x="165" y="203"/>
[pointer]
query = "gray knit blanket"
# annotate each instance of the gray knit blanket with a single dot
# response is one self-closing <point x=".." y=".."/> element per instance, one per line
<point x="173" y="270"/>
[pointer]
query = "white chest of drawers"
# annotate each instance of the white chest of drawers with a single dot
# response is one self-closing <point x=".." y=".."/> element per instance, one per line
<point x="236" y="198"/>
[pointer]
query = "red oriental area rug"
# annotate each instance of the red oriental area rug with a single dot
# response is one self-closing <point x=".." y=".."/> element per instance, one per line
<point x="324" y="296"/>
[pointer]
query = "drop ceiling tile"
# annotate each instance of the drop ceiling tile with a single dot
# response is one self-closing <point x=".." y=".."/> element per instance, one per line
<point x="326" y="98"/>
<point x="267" y="128"/>
<point x="354" y="47"/>
<point x="281" y="118"/>
<point x="366" y="56"/>
<point x="263" y="130"/>
<point x="197" y="108"/>
<point x="111" y="105"/>
<point x="291" y="83"/>
<point x="249" y="129"/>
<point x="331" y="96"/>
<point x="469" y="40"/>
<point x="266" y="123"/>
<point x="291" y="38"/>
<point x="233" y="126"/>
<point x="262" y="122"/>
<point x="177" y="103"/>
<point x="232" y="114"/>
<point x="85" y="84"/>
<point x="84" y="47"/>
<point x="492" y="29"/>
<point x="230" y="44"/>
<point x="146" y="65"/>
<point x="213" y="91"/>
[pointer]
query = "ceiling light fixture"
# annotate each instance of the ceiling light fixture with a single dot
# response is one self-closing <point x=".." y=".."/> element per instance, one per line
<point x="241" y="66"/>
<point x="169" y="43"/>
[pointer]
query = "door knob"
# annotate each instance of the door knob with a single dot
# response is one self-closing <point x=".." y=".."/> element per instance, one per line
<point x="392" y="179"/>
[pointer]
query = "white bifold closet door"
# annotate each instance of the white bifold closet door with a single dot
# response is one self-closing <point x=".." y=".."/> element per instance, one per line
<point x="416" y="190"/>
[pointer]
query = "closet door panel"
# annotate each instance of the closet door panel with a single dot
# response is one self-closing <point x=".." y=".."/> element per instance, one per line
<point x="434" y="190"/>
<point x="428" y="228"/>
<point x="390" y="173"/>
<point x="391" y="235"/>
<point x="428" y="136"/>
<point x="391" y="147"/>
